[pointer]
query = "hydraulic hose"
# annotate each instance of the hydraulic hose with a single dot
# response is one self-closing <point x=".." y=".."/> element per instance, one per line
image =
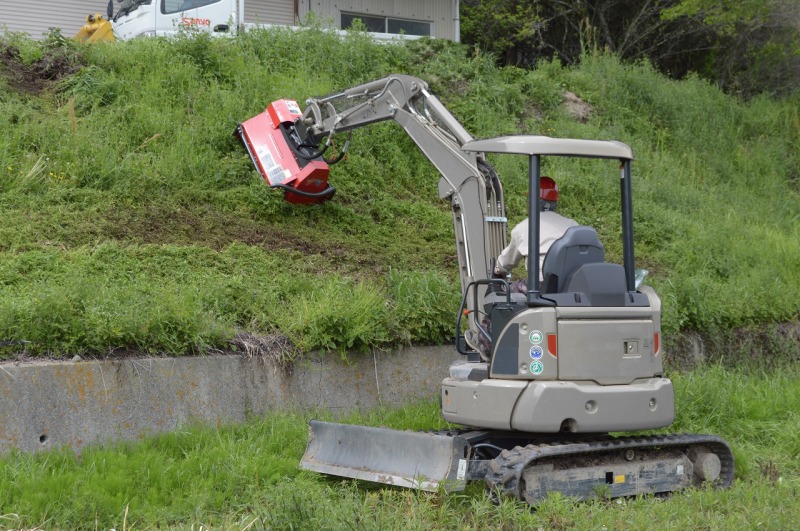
<point x="311" y="156"/>
<point x="341" y="154"/>
<point x="295" y="143"/>
<point x="327" y="192"/>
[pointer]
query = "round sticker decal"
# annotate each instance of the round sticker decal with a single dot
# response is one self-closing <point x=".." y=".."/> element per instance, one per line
<point x="536" y="337"/>
<point x="537" y="367"/>
<point x="536" y="352"/>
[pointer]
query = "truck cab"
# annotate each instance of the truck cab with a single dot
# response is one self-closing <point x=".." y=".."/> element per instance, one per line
<point x="135" y="18"/>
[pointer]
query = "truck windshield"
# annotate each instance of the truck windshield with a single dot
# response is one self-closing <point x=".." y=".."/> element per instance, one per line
<point x="129" y="6"/>
<point x="177" y="6"/>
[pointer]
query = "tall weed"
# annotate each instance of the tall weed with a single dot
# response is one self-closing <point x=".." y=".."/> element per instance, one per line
<point x="421" y="305"/>
<point x="337" y="315"/>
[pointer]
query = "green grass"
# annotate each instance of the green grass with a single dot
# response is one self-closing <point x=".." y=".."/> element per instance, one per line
<point x="231" y="477"/>
<point x="132" y="219"/>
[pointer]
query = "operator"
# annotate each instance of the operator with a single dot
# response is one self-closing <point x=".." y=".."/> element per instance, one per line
<point x="552" y="226"/>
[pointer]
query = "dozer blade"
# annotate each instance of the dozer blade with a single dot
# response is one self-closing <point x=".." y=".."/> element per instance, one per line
<point x="409" y="459"/>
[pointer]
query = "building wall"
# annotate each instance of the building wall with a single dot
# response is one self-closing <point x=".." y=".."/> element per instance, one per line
<point x="269" y="12"/>
<point x="442" y="13"/>
<point x="37" y="17"/>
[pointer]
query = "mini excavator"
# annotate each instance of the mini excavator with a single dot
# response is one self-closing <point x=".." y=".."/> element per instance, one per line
<point x="571" y="361"/>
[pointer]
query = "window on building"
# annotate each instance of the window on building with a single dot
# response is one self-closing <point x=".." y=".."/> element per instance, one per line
<point x="176" y="6"/>
<point x="380" y="24"/>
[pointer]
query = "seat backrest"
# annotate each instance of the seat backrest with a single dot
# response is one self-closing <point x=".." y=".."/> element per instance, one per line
<point x="579" y="245"/>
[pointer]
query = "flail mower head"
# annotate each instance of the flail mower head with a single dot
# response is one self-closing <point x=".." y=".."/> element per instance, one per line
<point x="282" y="157"/>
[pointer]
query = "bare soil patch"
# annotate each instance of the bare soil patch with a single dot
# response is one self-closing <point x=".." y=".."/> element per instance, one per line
<point x="577" y="108"/>
<point x="35" y="77"/>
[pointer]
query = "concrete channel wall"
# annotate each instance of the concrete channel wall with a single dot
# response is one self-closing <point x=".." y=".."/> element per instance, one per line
<point x="74" y="403"/>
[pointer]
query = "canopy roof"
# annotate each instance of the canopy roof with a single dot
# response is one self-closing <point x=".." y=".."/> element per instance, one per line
<point x="545" y="145"/>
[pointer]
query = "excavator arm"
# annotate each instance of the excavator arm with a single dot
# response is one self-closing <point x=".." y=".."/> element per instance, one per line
<point x="467" y="180"/>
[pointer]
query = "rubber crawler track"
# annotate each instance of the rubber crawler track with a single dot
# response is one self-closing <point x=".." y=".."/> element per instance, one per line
<point x="505" y="471"/>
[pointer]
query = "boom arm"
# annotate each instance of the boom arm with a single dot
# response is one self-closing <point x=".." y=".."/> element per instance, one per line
<point x="467" y="180"/>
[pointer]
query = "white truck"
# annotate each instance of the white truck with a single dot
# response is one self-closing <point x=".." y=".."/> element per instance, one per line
<point x="135" y="18"/>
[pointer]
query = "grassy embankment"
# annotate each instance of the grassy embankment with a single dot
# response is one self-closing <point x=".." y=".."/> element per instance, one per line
<point x="235" y="477"/>
<point x="131" y="219"/>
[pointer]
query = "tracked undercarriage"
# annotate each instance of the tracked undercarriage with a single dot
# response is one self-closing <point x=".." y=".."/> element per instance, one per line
<point x="611" y="468"/>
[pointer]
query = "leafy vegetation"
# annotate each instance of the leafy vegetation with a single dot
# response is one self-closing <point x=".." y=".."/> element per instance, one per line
<point x="132" y="219"/>
<point x="749" y="47"/>
<point x="247" y="476"/>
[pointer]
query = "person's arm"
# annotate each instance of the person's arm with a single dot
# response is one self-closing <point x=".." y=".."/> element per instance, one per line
<point x="512" y="255"/>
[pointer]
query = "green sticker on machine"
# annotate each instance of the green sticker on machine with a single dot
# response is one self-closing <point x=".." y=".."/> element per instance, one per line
<point x="537" y="367"/>
<point x="536" y="337"/>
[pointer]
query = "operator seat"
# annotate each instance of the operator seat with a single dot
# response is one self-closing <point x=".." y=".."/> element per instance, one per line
<point x="575" y="272"/>
<point x="578" y="246"/>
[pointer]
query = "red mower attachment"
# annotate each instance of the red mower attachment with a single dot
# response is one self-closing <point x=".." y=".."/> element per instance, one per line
<point x="281" y="157"/>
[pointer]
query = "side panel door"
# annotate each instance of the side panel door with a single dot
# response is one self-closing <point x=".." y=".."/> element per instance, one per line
<point x="213" y="16"/>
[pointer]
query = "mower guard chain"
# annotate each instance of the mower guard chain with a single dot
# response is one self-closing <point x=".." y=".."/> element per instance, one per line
<point x="506" y="471"/>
